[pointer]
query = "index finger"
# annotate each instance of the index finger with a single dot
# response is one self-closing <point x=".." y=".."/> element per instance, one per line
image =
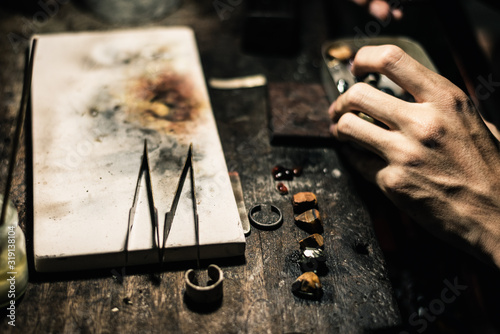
<point x="401" y="68"/>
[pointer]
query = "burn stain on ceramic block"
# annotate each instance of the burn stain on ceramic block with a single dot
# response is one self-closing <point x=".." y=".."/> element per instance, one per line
<point x="155" y="140"/>
<point x="165" y="160"/>
<point x="105" y="111"/>
<point x="148" y="107"/>
<point x="167" y="97"/>
<point x="161" y="96"/>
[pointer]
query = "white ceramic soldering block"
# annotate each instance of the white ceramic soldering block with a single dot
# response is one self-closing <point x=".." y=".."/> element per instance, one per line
<point x="96" y="97"/>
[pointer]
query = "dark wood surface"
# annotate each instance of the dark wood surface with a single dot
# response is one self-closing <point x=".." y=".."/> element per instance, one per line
<point x="257" y="289"/>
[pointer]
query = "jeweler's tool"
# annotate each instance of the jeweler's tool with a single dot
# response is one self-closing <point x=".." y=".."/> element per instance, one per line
<point x="169" y="216"/>
<point x="195" y="206"/>
<point x="213" y="291"/>
<point x="240" y="201"/>
<point x="143" y="170"/>
<point x="197" y="293"/>
<point x="25" y="98"/>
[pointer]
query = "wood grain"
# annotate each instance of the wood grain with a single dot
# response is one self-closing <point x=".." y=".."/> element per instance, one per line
<point x="257" y="288"/>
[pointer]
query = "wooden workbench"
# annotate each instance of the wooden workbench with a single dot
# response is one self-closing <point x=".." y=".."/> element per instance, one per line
<point x="257" y="289"/>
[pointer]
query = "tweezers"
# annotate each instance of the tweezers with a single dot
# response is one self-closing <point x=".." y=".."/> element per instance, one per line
<point x="153" y="212"/>
<point x="21" y="116"/>
<point x="169" y="216"/>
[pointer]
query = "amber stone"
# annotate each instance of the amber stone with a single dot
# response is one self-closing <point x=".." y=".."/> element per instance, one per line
<point x="340" y="52"/>
<point x="310" y="221"/>
<point x="304" y="201"/>
<point x="313" y="241"/>
<point x="307" y="285"/>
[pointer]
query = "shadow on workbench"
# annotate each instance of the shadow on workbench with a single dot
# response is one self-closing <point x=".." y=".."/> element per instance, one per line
<point x="119" y="274"/>
<point x="439" y="288"/>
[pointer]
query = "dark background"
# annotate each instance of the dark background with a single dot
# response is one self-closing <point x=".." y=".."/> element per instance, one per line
<point x="282" y="40"/>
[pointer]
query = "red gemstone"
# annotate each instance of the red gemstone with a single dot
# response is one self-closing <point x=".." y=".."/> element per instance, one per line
<point x="282" y="188"/>
<point x="282" y="173"/>
<point x="297" y="171"/>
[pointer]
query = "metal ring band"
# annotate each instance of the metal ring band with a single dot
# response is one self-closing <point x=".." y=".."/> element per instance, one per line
<point x="205" y="294"/>
<point x="264" y="226"/>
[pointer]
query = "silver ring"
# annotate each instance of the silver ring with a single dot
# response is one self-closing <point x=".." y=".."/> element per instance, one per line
<point x="265" y="226"/>
<point x="205" y="294"/>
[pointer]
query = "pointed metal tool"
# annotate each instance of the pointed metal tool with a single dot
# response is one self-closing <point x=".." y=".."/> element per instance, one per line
<point x="169" y="216"/>
<point x="25" y="102"/>
<point x="153" y="212"/>
<point x="195" y="208"/>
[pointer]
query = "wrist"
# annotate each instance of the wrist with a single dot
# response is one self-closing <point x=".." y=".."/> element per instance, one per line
<point x="491" y="238"/>
<point x="489" y="222"/>
<point x="475" y="219"/>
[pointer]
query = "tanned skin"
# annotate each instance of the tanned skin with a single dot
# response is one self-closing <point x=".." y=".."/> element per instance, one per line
<point x="436" y="160"/>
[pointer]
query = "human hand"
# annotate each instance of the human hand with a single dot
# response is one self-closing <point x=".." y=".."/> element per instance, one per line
<point x="436" y="159"/>
<point x="380" y="9"/>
